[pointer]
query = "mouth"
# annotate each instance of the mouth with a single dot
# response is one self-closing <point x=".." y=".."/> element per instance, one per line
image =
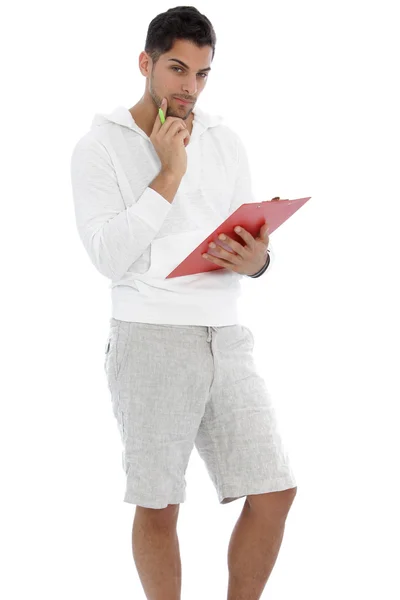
<point x="185" y="102"/>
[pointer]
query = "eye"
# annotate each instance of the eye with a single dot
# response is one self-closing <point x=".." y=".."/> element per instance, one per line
<point x="180" y="69"/>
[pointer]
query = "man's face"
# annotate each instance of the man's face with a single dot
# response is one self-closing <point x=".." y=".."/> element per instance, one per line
<point x="170" y="78"/>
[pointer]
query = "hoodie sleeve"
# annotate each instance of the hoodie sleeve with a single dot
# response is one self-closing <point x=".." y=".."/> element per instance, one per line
<point x="114" y="236"/>
<point x="243" y="192"/>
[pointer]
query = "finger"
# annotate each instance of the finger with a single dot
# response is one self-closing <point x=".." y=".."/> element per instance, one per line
<point x="231" y="257"/>
<point x="265" y="238"/>
<point x="232" y="246"/>
<point x="169" y="121"/>
<point x="172" y="126"/>
<point x="185" y="136"/>
<point x="248" y="238"/>
<point x="264" y="230"/>
<point x="218" y="261"/>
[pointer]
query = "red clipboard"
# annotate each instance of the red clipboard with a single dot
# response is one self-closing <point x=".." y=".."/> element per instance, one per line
<point x="251" y="217"/>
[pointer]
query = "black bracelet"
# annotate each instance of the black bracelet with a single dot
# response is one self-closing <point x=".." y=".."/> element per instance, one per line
<point x="265" y="267"/>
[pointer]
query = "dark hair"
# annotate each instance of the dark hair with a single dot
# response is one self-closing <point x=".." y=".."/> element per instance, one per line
<point x="179" y="23"/>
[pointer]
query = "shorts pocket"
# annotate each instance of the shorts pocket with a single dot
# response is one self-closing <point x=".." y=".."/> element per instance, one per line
<point x="117" y="349"/>
<point x="249" y="335"/>
<point x="118" y="407"/>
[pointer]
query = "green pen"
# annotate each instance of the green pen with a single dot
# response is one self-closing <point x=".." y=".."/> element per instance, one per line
<point x="162" y="118"/>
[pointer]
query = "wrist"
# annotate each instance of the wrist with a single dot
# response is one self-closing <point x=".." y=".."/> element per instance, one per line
<point x="263" y="268"/>
<point x="170" y="176"/>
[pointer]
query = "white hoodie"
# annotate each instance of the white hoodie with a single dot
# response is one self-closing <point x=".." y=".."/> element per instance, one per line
<point x="135" y="237"/>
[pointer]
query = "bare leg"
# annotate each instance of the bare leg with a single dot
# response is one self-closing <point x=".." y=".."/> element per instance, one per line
<point x="253" y="550"/>
<point x="155" y="549"/>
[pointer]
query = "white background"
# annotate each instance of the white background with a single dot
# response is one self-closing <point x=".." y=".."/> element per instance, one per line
<point x="312" y="88"/>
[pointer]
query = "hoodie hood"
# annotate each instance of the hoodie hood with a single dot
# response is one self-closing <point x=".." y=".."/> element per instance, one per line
<point x="121" y="116"/>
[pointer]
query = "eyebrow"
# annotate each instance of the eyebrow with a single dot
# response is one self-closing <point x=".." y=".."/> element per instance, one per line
<point x="186" y="66"/>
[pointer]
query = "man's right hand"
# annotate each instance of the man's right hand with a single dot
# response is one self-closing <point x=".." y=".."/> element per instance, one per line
<point x="170" y="140"/>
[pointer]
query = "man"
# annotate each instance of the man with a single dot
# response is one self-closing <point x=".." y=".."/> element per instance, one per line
<point x="180" y="367"/>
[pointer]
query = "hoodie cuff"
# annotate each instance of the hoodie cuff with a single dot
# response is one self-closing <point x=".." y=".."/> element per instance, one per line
<point x="152" y="208"/>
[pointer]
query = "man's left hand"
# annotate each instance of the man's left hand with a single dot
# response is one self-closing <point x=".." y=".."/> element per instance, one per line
<point x="246" y="260"/>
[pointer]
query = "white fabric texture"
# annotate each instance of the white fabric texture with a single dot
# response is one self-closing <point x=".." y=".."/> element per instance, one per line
<point x="135" y="237"/>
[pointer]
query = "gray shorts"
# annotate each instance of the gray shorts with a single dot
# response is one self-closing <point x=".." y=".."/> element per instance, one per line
<point x="173" y="386"/>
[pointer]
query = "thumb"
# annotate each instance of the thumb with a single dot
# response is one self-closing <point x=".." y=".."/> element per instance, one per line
<point x="263" y="233"/>
<point x="264" y="230"/>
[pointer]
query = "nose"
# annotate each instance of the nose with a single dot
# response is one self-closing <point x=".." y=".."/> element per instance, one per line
<point x="190" y="86"/>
